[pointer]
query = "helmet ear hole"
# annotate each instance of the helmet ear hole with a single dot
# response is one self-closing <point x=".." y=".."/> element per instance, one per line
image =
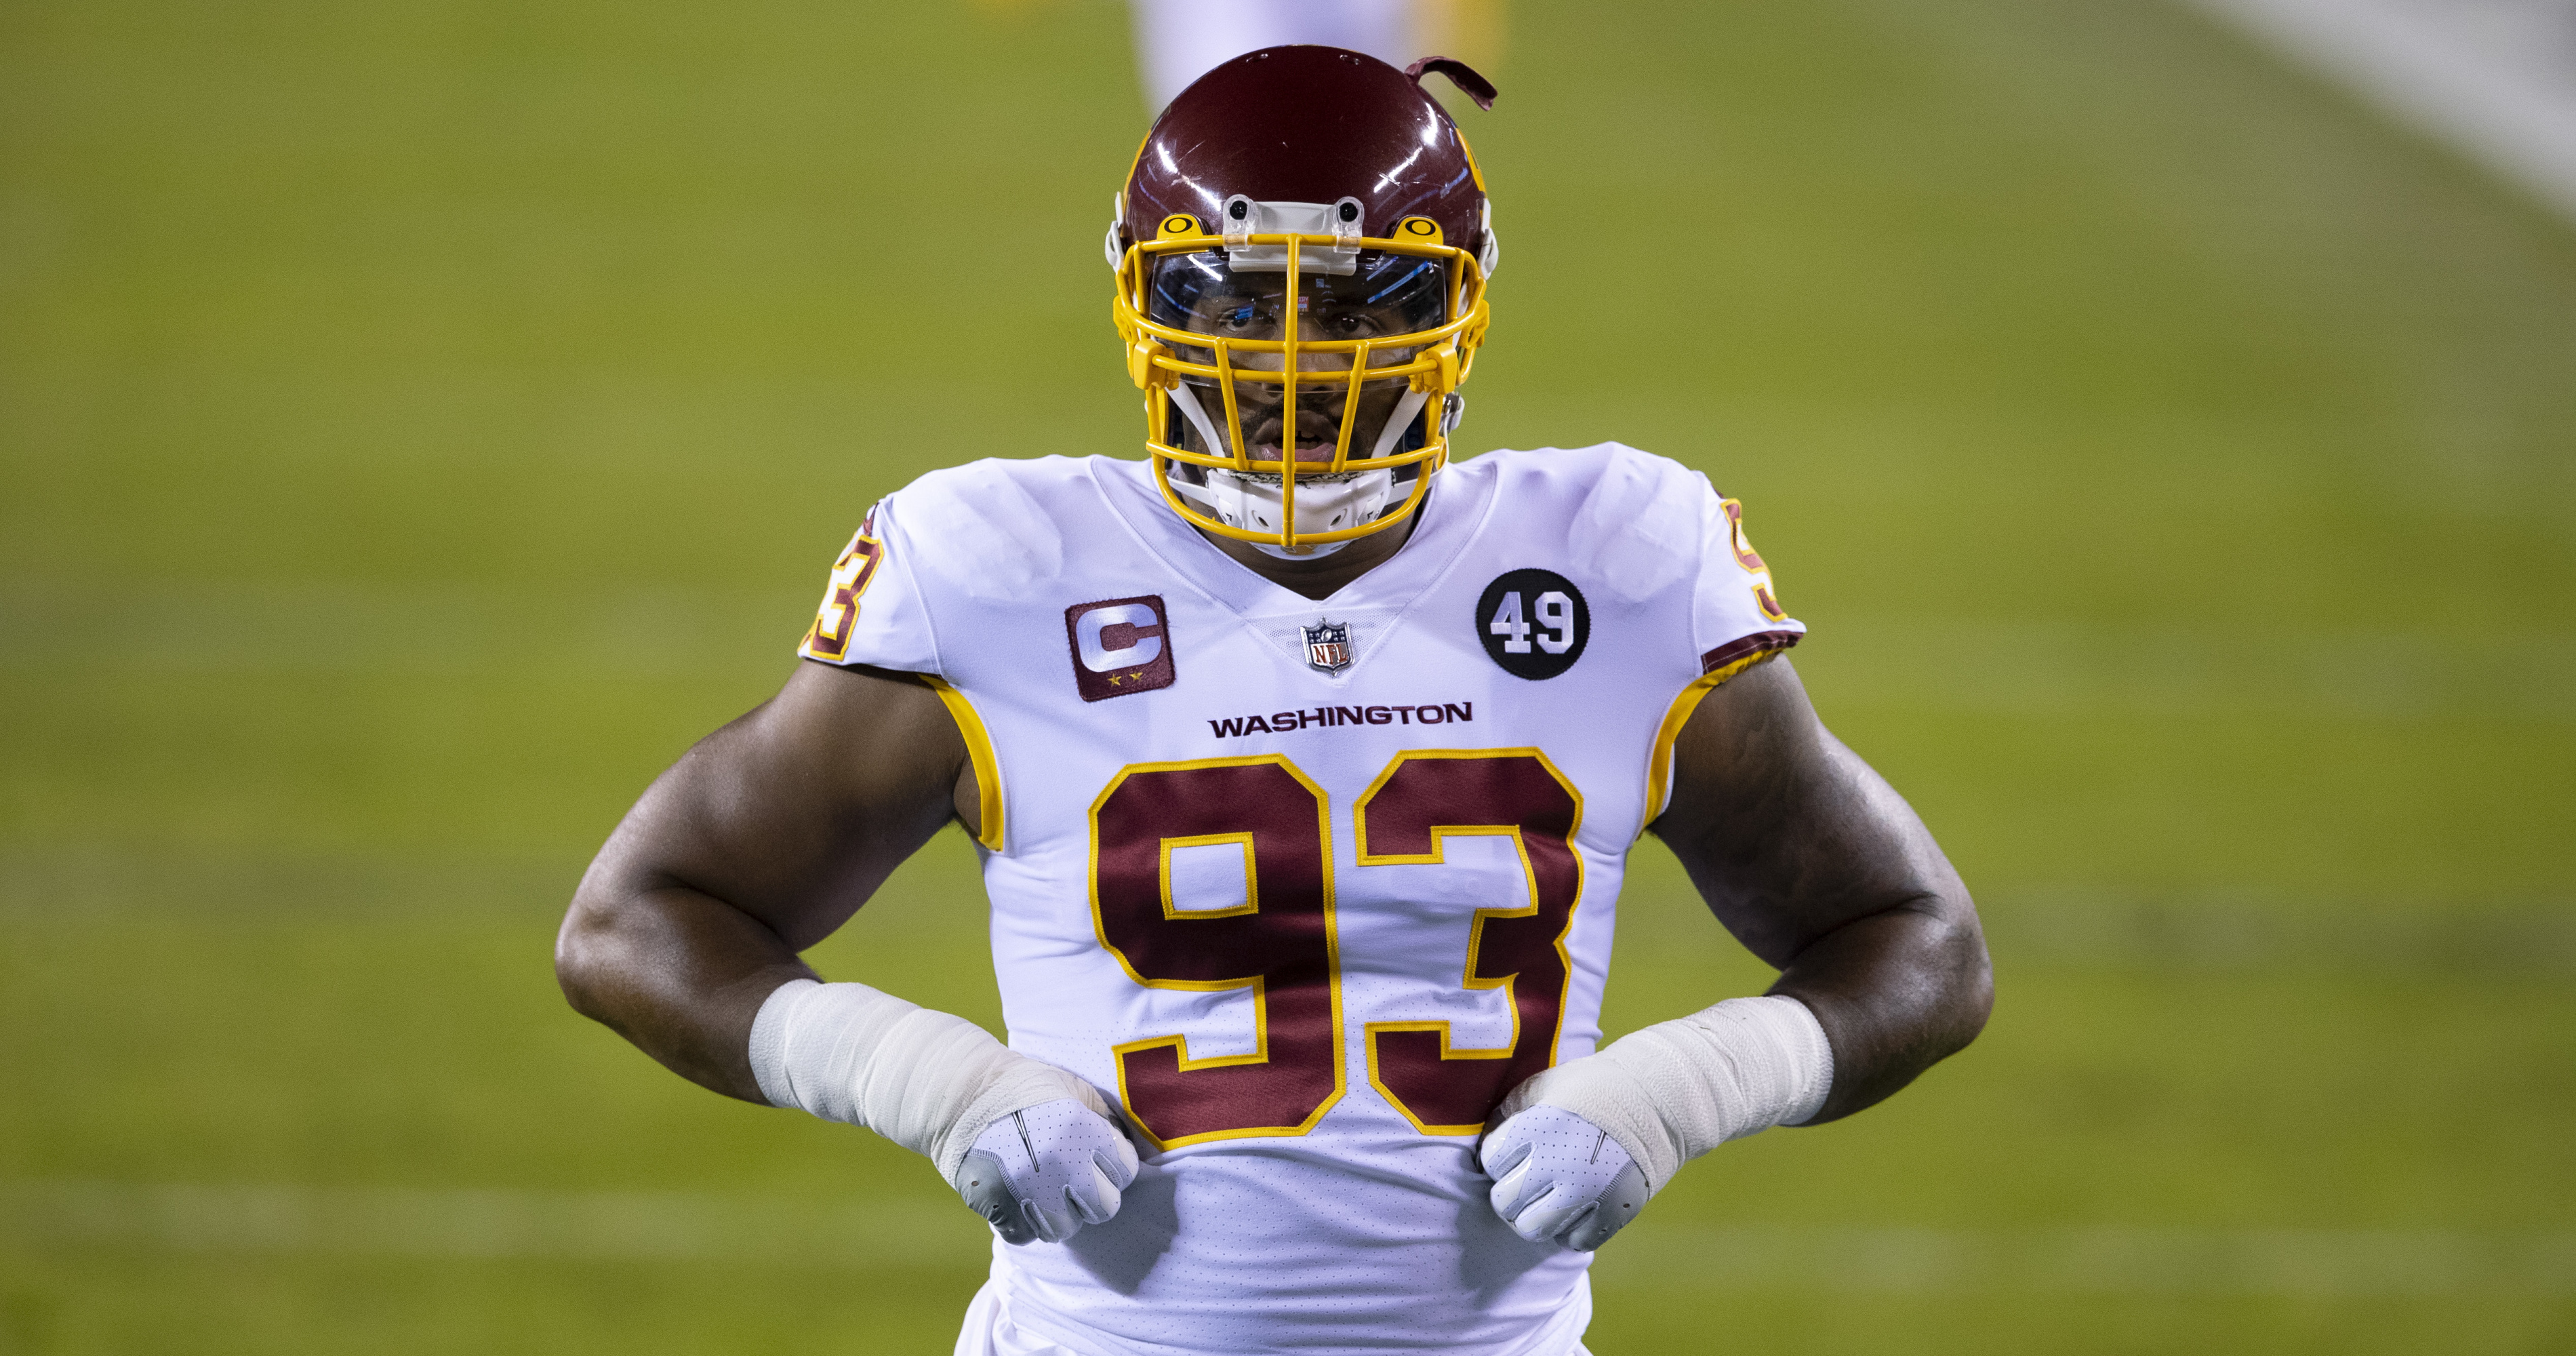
<point x="1239" y="217"/>
<point x="1346" y="220"/>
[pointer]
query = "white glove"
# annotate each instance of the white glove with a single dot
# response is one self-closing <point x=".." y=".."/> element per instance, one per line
<point x="1560" y="1179"/>
<point x="1577" y="1150"/>
<point x="1033" y="1149"/>
<point x="1046" y="1171"/>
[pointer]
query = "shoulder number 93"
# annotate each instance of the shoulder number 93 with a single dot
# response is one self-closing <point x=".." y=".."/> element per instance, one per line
<point x="1279" y="943"/>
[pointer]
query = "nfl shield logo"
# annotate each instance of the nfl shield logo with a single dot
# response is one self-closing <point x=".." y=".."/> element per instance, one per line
<point x="1328" y="647"/>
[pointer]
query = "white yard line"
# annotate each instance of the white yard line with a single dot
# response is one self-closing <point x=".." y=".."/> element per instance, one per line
<point x="1970" y="663"/>
<point x="411" y="1222"/>
<point x="2496" y="80"/>
<point x="769" y="1231"/>
<point x="2247" y="932"/>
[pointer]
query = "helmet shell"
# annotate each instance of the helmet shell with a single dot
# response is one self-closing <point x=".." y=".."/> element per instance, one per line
<point x="1307" y="124"/>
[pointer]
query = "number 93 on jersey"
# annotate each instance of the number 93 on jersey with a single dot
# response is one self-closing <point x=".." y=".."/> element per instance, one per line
<point x="1281" y="941"/>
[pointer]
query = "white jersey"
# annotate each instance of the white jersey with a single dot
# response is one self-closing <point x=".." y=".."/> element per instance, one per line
<point x="1305" y="887"/>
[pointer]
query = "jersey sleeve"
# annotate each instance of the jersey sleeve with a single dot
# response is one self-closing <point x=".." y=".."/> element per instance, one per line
<point x="873" y="611"/>
<point x="1736" y="617"/>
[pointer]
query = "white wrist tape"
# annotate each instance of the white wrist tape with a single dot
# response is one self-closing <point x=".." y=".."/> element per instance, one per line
<point x="924" y="1079"/>
<point x="1678" y="1089"/>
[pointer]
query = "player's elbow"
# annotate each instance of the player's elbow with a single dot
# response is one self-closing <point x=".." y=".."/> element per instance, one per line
<point x="1977" y="1002"/>
<point x="587" y="948"/>
<point x="1971" y="974"/>
<point x="1948" y="980"/>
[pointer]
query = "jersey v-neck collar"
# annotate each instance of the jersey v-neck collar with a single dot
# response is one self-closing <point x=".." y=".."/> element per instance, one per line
<point x="1449" y="517"/>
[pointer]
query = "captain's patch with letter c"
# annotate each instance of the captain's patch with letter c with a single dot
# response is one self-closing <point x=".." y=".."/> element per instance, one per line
<point x="1119" y="646"/>
<point x="1533" y="622"/>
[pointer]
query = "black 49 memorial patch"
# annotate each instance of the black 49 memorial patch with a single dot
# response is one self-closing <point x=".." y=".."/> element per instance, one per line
<point x="1534" y="623"/>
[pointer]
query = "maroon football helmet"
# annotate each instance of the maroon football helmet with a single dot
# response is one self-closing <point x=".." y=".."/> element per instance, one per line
<point x="1302" y="250"/>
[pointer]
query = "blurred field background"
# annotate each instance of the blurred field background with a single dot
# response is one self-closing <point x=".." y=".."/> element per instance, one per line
<point x="419" y="421"/>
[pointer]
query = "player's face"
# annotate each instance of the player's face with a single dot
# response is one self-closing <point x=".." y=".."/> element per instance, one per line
<point x="1387" y="295"/>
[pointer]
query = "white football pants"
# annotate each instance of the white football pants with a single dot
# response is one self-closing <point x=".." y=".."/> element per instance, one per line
<point x="989" y="1331"/>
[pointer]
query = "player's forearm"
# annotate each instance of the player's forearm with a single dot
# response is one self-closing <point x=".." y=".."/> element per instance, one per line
<point x="678" y="972"/>
<point x="1896" y="992"/>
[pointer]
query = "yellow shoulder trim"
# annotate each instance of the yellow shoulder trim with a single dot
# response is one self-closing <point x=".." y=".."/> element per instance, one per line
<point x="1659" y="764"/>
<point x="979" y="752"/>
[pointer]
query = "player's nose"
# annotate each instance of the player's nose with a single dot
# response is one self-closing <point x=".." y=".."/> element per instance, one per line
<point x="1310" y="330"/>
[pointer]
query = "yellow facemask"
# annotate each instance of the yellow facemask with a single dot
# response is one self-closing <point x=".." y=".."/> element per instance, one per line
<point x="1286" y="324"/>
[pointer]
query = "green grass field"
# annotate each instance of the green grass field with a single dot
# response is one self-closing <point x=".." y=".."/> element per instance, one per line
<point x="419" y="421"/>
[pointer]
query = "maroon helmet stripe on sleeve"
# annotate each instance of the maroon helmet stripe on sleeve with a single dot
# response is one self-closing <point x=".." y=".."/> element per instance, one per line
<point x="1745" y="647"/>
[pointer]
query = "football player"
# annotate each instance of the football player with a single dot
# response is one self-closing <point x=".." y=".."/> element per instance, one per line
<point x="1304" y="761"/>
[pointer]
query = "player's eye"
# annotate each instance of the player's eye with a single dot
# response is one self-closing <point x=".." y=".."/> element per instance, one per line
<point x="1356" y="322"/>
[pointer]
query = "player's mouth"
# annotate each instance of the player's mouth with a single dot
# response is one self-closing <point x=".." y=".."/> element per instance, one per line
<point x="1317" y="433"/>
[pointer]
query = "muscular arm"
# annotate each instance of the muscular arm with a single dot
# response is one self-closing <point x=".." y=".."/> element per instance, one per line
<point x="759" y="842"/>
<point x="1816" y="864"/>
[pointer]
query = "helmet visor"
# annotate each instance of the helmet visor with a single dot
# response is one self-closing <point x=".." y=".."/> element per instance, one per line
<point x="1369" y="311"/>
